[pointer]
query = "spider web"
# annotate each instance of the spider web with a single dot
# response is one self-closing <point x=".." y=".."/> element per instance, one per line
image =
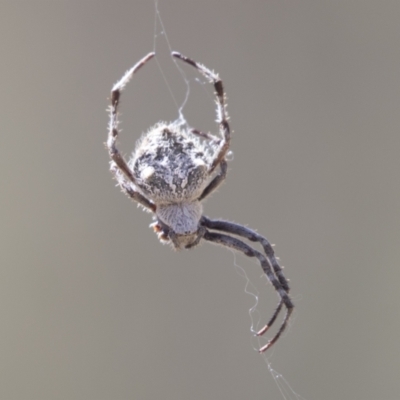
<point x="250" y="288"/>
<point x="160" y="33"/>
<point x="159" y="30"/>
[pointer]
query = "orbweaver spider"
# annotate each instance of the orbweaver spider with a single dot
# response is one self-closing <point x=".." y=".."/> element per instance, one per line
<point x="173" y="169"/>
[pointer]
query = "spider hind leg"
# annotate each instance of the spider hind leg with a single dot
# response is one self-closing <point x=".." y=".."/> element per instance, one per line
<point x="269" y="265"/>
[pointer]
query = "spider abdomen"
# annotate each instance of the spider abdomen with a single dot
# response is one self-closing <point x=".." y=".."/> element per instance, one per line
<point x="170" y="165"/>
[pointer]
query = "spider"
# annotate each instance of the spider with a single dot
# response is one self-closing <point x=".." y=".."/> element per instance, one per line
<point x="173" y="169"/>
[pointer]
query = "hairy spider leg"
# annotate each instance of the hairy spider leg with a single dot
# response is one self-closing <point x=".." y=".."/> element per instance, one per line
<point x="207" y="136"/>
<point x="119" y="167"/>
<point x="222" y="119"/>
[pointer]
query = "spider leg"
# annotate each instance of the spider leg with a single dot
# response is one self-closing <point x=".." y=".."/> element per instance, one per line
<point x="271" y="321"/>
<point x="240" y="230"/>
<point x="217" y="180"/>
<point x="207" y="136"/>
<point x="222" y="115"/>
<point x="118" y="163"/>
<point x="251" y="235"/>
<point x="234" y="243"/>
<point x="126" y="187"/>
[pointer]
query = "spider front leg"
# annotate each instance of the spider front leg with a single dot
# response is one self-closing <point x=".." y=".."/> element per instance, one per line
<point x="222" y="119"/>
<point x="223" y="165"/>
<point x="218" y="179"/>
<point x="119" y="167"/>
<point x="238" y="245"/>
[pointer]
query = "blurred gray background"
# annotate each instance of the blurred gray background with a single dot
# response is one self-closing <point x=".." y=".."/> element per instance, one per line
<point x="93" y="307"/>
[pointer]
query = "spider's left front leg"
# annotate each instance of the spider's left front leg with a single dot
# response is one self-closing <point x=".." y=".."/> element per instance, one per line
<point x="119" y="166"/>
<point x="222" y="119"/>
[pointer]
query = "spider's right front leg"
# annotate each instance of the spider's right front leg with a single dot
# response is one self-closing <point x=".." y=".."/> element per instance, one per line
<point x="222" y="119"/>
<point x="222" y="114"/>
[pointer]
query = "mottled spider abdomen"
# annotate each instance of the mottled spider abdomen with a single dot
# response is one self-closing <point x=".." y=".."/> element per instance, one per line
<point x="170" y="164"/>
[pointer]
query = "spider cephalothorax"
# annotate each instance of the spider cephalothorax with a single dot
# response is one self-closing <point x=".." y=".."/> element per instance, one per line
<point x="173" y="169"/>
